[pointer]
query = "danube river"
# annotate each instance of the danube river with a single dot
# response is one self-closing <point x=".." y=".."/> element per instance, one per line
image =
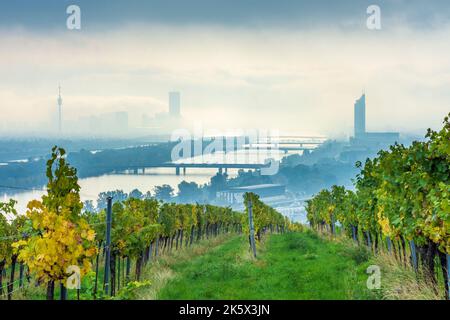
<point x="152" y="177"/>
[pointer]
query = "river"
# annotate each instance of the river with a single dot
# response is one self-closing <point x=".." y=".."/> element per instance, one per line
<point x="91" y="187"/>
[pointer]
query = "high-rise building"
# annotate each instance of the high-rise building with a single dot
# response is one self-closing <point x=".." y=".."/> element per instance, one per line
<point x="59" y="111"/>
<point x="360" y="116"/>
<point x="121" y="121"/>
<point x="362" y="137"/>
<point x="174" y="104"/>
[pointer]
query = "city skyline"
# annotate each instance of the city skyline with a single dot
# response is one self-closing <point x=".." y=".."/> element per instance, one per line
<point x="295" y="75"/>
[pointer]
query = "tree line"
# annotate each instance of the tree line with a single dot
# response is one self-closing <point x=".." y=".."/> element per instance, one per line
<point x="57" y="238"/>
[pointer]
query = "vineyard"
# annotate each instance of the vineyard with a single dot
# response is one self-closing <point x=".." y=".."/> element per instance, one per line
<point x="401" y="203"/>
<point x="57" y="243"/>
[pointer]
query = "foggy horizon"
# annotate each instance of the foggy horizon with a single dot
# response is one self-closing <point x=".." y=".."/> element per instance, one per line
<point x="299" y="74"/>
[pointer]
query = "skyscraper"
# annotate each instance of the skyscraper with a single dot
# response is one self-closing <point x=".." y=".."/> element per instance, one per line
<point x="360" y="116"/>
<point x="59" y="111"/>
<point x="375" y="140"/>
<point x="174" y="104"/>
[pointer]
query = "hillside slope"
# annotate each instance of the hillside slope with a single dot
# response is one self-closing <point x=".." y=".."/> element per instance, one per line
<point x="289" y="266"/>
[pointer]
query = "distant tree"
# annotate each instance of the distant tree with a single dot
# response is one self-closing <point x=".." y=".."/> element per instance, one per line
<point x="189" y="192"/>
<point x="148" y="195"/>
<point x="117" y="196"/>
<point x="248" y="178"/>
<point x="88" y="206"/>
<point x="292" y="160"/>
<point x="135" y="194"/>
<point x="164" y="192"/>
<point x="114" y="159"/>
<point x="217" y="183"/>
<point x="309" y="179"/>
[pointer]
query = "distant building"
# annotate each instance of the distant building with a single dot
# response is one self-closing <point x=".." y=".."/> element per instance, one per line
<point x="166" y="122"/>
<point x="174" y="104"/>
<point x="360" y="116"/>
<point x="266" y="192"/>
<point x="369" y="139"/>
<point x="112" y="123"/>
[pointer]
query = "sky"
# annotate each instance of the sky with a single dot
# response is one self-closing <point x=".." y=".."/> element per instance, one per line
<point x="293" y="66"/>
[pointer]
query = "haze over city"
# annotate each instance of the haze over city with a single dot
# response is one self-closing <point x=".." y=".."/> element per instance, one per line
<point x="299" y="73"/>
<point x="224" y="149"/>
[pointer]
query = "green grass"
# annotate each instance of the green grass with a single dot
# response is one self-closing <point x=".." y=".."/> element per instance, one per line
<point x="289" y="266"/>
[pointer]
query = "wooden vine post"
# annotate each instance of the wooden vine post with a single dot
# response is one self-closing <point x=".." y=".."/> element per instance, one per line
<point x="251" y="228"/>
<point x="108" y="245"/>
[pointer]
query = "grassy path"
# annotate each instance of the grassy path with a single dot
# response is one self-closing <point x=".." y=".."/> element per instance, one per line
<point x="289" y="266"/>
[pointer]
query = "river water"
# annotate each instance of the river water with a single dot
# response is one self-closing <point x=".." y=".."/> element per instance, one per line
<point x="151" y="177"/>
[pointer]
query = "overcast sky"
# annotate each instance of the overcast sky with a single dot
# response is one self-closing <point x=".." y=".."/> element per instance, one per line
<point x="296" y="66"/>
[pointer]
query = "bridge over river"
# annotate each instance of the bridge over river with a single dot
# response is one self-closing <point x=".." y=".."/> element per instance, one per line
<point x="180" y="166"/>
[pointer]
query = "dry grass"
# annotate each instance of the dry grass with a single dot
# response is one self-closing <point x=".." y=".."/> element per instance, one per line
<point x="400" y="281"/>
